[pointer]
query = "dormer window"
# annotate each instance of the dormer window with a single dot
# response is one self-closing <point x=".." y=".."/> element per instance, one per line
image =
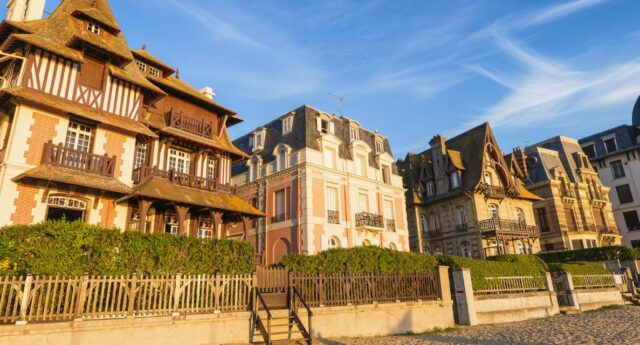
<point x="154" y="71"/>
<point x="354" y="133"/>
<point x="287" y="125"/>
<point x="610" y="144"/>
<point x="141" y="66"/>
<point x="456" y="179"/>
<point x="256" y="141"/>
<point x="379" y="146"/>
<point x="93" y="28"/>
<point x="324" y="125"/>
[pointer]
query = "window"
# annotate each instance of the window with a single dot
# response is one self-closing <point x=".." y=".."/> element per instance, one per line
<point x="93" y="27"/>
<point x="141" y="155"/>
<point x="255" y="169"/>
<point x="325" y="126"/>
<point x="366" y="243"/>
<point x="589" y="150"/>
<point x="548" y="247"/>
<point x="624" y="194"/>
<point x="332" y="199"/>
<point x="205" y="230"/>
<point x="488" y="179"/>
<point x="434" y="222"/>
<point x="388" y="210"/>
<point x="635" y="244"/>
<point x="78" y="136"/>
<point x="363" y="202"/>
<point x="617" y="169"/>
<point x="282" y="158"/>
<point x="92" y="72"/>
<point x="257" y="141"/>
<point x="171" y="224"/>
<point x="287" y="125"/>
<point x="279" y="206"/>
<point x="456" y="179"/>
<point x="179" y="161"/>
<point x="521" y="249"/>
<point x="461" y="215"/>
<point x="570" y="218"/>
<point x="393" y="246"/>
<point x="70" y="209"/>
<point x="154" y="71"/>
<point x="379" y="146"/>
<point x="464" y="249"/>
<point x="423" y="223"/>
<point x="610" y="144"/>
<point x="631" y="220"/>
<point x="354" y="134"/>
<point x="431" y="188"/>
<point x="211" y="168"/>
<point x="333" y="242"/>
<point x="493" y="211"/>
<point x="361" y="165"/>
<point x="520" y="215"/>
<point x="329" y="154"/>
<point x="542" y="219"/>
<point x="386" y="175"/>
<point x="577" y="244"/>
<point x="141" y="66"/>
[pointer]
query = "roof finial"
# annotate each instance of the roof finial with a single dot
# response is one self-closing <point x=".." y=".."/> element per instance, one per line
<point x="177" y="73"/>
<point x="144" y="47"/>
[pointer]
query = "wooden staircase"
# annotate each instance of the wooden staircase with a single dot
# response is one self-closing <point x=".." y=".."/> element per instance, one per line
<point x="275" y="318"/>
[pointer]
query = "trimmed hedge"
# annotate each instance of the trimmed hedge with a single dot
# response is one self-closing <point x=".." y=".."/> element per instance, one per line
<point x="498" y="266"/>
<point x="592" y="254"/>
<point x="368" y="259"/>
<point x="63" y="248"/>
<point x="578" y="268"/>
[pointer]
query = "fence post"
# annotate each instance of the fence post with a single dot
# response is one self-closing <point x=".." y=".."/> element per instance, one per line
<point x="444" y="286"/>
<point x="24" y="301"/>
<point x="465" y="302"/>
<point x="82" y="297"/>
<point x="177" y="292"/>
<point x="571" y="291"/>
<point x="553" y="297"/>
<point x="321" y="290"/>
<point x="132" y="295"/>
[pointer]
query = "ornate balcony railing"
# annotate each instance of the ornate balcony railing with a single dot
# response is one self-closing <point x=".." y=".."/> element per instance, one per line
<point x="367" y="219"/>
<point x="189" y="124"/>
<point x="391" y="224"/>
<point x="62" y="156"/>
<point x="278" y="218"/>
<point x="333" y="217"/>
<point x="495" y="192"/>
<point x="182" y="179"/>
<point x="507" y="228"/>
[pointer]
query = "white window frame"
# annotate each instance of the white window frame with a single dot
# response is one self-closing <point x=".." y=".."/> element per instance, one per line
<point x="363" y="202"/>
<point x="93" y="27"/>
<point x="332" y="198"/>
<point x="615" y="143"/>
<point x="333" y="242"/>
<point x="456" y="179"/>
<point x="154" y="71"/>
<point x="388" y="209"/>
<point x="211" y="168"/>
<point x="176" y="157"/>
<point x="79" y="136"/>
<point x="431" y="188"/>
<point x="519" y="213"/>
<point x="287" y="125"/>
<point x="461" y="215"/>
<point x="141" y="66"/>
<point x="141" y="155"/>
<point x="354" y="133"/>
<point x="329" y="157"/>
<point x="379" y="146"/>
<point x="276" y="211"/>
<point x="494" y="211"/>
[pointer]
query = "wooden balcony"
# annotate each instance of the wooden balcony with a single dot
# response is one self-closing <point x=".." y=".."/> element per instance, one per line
<point x="62" y="156"/>
<point x="187" y="180"/>
<point x="369" y="221"/>
<point x="497" y="227"/>
<point x="497" y="192"/>
<point x="189" y="124"/>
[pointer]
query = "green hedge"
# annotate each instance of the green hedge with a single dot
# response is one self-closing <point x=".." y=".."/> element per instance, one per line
<point x="62" y="248"/>
<point x="368" y="259"/>
<point x="578" y="268"/>
<point x="498" y="266"/>
<point x="592" y="254"/>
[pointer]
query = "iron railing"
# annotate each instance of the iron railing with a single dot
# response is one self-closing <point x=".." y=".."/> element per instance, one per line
<point x="333" y="217"/>
<point x="506" y="227"/>
<point x="369" y="219"/>
<point x="593" y="281"/>
<point x="391" y="224"/>
<point x="518" y="284"/>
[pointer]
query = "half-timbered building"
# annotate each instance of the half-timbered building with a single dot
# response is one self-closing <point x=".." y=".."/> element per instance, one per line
<point x="92" y="130"/>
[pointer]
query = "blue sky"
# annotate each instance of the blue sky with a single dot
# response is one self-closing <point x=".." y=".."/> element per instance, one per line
<point x="410" y="69"/>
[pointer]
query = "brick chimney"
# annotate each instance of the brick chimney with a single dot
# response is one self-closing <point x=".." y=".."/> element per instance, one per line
<point x="25" y="10"/>
<point x="521" y="160"/>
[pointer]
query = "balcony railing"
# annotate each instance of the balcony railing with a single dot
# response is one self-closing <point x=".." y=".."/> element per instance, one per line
<point x="333" y="217"/>
<point x="278" y="218"/>
<point x="62" y="156"/>
<point x="391" y="224"/>
<point x="182" y="179"/>
<point x="508" y="228"/>
<point x="189" y="124"/>
<point x="495" y="192"/>
<point x="366" y="219"/>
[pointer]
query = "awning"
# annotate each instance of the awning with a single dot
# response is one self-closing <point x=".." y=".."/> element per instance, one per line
<point x="47" y="172"/>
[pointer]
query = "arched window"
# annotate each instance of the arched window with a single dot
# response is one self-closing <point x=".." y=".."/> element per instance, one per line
<point x="520" y="215"/>
<point x="333" y="242"/>
<point x="61" y="207"/>
<point x="493" y="211"/>
<point x="392" y="246"/>
<point x="366" y="243"/>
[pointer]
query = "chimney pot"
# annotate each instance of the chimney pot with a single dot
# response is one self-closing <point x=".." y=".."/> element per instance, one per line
<point x="208" y="92"/>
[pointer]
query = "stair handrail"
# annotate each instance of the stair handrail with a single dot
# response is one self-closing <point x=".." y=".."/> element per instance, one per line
<point x="294" y="309"/>
<point x="267" y="336"/>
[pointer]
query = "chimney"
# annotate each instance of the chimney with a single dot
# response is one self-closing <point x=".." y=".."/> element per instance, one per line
<point x="25" y="10"/>
<point x="521" y="160"/>
<point x="208" y="92"/>
<point x="438" y="143"/>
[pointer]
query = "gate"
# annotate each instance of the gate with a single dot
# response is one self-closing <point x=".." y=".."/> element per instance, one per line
<point x="563" y="292"/>
<point x="272" y="280"/>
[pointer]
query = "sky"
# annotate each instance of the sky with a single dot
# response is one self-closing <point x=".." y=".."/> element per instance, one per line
<point x="410" y="69"/>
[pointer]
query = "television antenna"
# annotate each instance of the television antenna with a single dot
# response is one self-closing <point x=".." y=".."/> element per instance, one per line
<point x="338" y="100"/>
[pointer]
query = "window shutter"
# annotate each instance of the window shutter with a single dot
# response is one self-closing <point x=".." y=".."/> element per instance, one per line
<point x="319" y="124"/>
<point x="332" y="127"/>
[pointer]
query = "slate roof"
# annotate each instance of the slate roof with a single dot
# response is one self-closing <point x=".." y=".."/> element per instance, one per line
<point x="555" y="153"/>
<point x="304" y="134"/>
<point x="625" y="140"/>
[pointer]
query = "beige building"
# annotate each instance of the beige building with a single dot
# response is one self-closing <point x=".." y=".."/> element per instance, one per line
<point x="576" y="212"/>
<point x="323" y="182"/>
<point x="463" y="199"/>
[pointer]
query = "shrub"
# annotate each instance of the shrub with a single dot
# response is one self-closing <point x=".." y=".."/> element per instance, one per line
<point x="592" y="254"/>
<point x="579" y="268"/>
<point x="63" y="248"/>
<point x="498" y="266"/>
<point x="368" y="259"/>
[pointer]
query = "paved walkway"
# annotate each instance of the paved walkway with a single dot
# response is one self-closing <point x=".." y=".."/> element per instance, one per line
<point x="610" y="326"/>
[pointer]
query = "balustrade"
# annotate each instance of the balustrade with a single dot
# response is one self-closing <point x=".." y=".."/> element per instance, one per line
<point x="369" y="220"/>
<point x="59" y="155"/>
<point x="142" y="173"/>
<point x="189" y="124"/>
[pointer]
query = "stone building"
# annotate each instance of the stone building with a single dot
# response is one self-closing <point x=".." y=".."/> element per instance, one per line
<point x="323" y="182"/>
<point x="575" y="212"/>
<point x="91" y="130"/>
<point x="615" y="155"/>
<point x="463" y="199"/>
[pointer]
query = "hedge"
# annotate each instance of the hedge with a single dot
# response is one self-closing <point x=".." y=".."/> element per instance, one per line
<point x="367" y="259"/>
<point x="578" y="268"/>
<point x="498" y="266"/>
<point x="63" y="248"/>
<point x="592" y="254"/>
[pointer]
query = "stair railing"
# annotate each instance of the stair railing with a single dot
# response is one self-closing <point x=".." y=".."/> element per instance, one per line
<point x="293" y="311"/>
<point x="266" y="333"/>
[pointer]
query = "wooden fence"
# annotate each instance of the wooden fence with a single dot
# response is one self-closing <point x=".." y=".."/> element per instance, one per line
<point x="593" y="281"/>
<point x="38" y="299"/>
<point x="272" y="280"/>
<point x="335" y="290"/>
<point x="522" y="284"/>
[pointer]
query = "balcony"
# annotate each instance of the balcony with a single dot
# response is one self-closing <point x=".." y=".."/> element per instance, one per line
<point x="59" y="155"/>
<point x="507" y="228"/>
<point x="182" y="179"/>
<point x="369" y="221"/>
<point x="333" y="217"/>
<point x="189" y="124"/>
<point x="391" y="224"/>
<point x="497" y="192"/>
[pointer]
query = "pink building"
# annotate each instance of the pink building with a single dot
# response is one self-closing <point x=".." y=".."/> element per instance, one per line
<point x="324" y="182"/>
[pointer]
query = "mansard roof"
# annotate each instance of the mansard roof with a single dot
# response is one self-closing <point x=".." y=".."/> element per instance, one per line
<point x="554" y="153"/>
